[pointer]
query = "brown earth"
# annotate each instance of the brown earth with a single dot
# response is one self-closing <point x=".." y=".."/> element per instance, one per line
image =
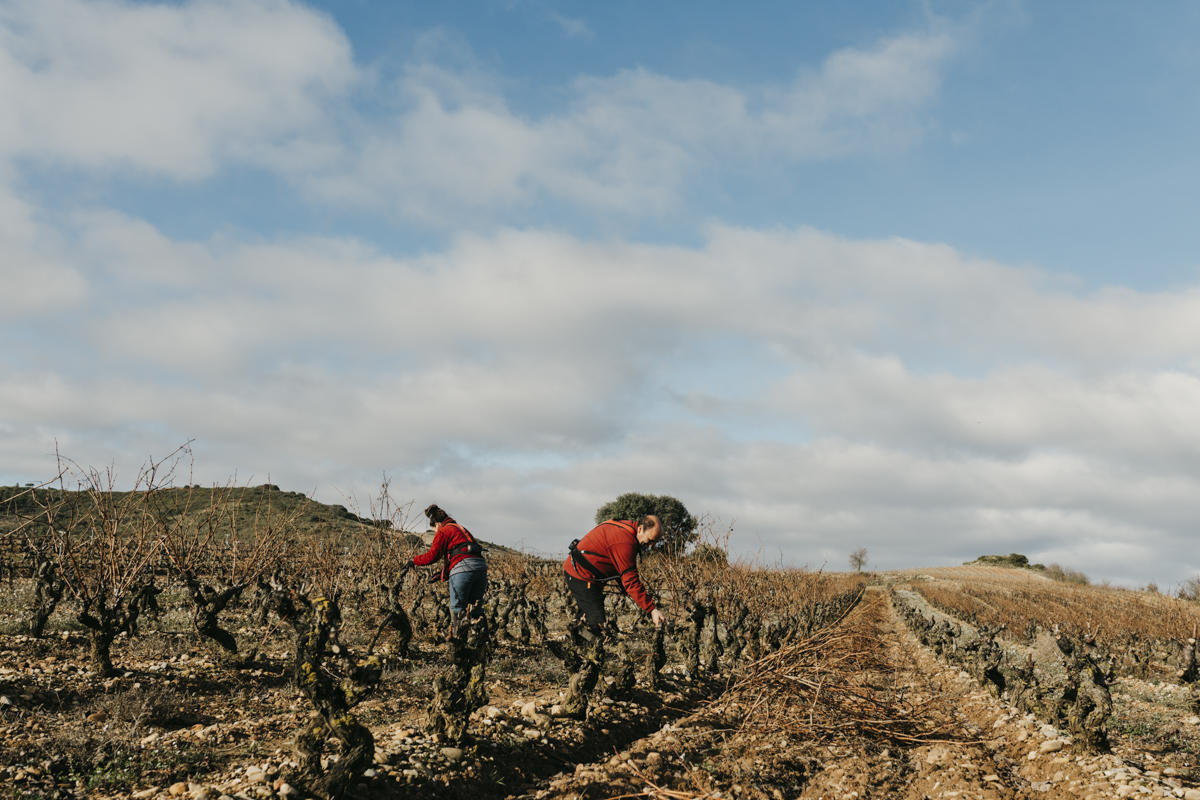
<point x="177" y="724"/>
<point x="996" y="754"/>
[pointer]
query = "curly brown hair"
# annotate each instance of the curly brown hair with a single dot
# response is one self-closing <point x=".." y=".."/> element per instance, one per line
<point x="436" y="515"/>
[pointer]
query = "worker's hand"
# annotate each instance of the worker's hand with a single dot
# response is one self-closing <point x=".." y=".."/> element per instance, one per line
<point x="658" y="618"/>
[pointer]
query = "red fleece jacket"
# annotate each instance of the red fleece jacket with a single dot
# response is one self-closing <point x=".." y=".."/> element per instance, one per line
<point x="612" y="548"/>
<point x="449" y="536"/>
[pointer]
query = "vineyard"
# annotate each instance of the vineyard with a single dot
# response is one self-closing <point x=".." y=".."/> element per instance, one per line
<point x="247" y="642"/>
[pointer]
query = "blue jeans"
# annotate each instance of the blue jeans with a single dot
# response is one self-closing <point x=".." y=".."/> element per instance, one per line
<point x="467" y="588"/>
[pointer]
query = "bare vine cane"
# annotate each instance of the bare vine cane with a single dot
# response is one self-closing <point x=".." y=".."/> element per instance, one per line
<point x="1188" y="673"/>
<point x="110" y="543"/>
<point x="210" y="602"/>
<point x="656" y="659"/>
<point x="584" y="658"/>
<point x="394" y="616"/>
<point x="334" y="681"/>
<point x="461" y="688"/>
<point x="48" y="591"/>
<point x="1088" y="699"/>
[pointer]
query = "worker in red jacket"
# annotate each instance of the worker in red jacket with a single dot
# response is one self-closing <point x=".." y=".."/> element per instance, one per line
<point x="608" y="553"/>
<point x="463" y="563"/>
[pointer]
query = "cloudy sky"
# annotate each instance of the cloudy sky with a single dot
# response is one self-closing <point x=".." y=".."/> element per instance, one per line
<point x="919" y="277"/>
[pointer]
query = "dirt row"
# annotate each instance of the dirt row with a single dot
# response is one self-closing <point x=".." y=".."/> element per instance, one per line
<point x="995" y="752"/>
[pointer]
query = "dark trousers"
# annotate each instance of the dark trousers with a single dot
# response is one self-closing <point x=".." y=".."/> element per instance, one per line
<point x="589" y="596"/>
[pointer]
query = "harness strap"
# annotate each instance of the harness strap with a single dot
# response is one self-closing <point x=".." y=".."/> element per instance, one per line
<point x="578" y="559"/>
<point x="472" y="547"/>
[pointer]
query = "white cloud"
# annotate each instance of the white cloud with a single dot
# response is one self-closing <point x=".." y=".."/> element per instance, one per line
<point x="34" y="277"/>
<point x="180" y="90"/>
<point x="1145" y="414"/>
<point x="812" y="504"/>
<point x="528" y="376"/>
<point x="569" y="25"/>
<point x="863" y="100"/>
<point x="631" y="142"/>
<point x="173" y="90"/>
<point x="917" y="299"/>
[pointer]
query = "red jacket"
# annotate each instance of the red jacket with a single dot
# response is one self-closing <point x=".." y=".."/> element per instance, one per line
<point x="612" y="548"/>
<point x="449" y="536"/>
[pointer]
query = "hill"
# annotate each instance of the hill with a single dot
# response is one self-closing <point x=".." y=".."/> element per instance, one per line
<point x="225" y="512"/>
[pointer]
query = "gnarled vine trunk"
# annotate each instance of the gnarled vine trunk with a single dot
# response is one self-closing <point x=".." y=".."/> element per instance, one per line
<point x="460" y="689"/>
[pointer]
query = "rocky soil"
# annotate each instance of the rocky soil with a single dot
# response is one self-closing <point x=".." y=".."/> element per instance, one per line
<point x="178" y="724"/>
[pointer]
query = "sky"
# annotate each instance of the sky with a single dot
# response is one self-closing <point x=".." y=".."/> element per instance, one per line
<point x="919" y="277"/>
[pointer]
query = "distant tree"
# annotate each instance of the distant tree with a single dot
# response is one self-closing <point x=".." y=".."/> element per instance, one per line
<point x="858" y="559"/>
<point x="679" y="526"/>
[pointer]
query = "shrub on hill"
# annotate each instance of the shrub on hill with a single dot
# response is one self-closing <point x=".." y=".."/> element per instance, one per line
<point x="1067" y="575"/>
<point x="1012" y="560"/>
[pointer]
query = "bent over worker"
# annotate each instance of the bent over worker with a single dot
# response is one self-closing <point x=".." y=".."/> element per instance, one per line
<point x="609" y="553"/>
<point x="463" y="563"/>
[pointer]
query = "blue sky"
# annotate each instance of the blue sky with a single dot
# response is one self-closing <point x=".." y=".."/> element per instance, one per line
<point x="919" y="277"/>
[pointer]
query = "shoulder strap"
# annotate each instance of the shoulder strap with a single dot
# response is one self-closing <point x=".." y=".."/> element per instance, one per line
<point x="472" y="547"/>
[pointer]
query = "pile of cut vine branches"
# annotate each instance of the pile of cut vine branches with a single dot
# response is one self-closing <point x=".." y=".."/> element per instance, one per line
<point x="836" y="683"/>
